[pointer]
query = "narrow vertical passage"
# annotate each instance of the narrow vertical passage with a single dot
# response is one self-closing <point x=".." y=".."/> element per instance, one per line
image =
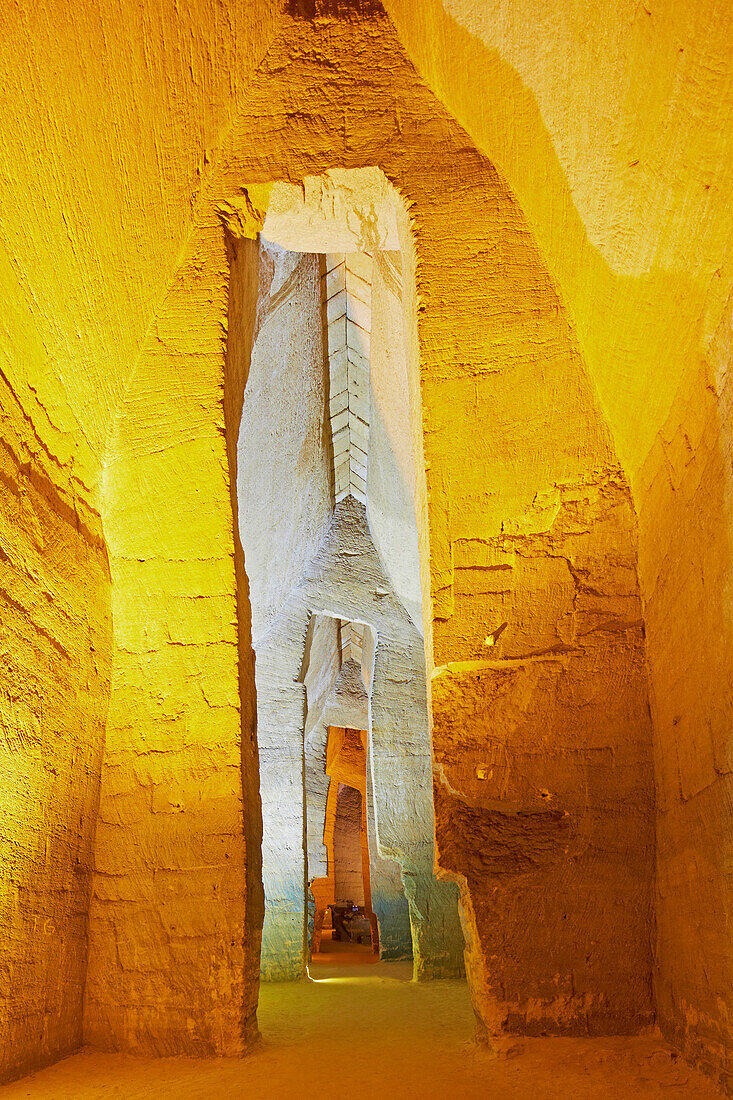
<point x="333" y="757"/>
<point x="285" y="504"/>
<point x="327" y="521"/>
<point x="403" y="788"/>
<point x="344" y="924"/>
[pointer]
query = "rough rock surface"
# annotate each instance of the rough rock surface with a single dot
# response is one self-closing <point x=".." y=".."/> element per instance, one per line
<point x="168" y="933"/>
<point x="55" y="652"/>
<point x="572" y="277"/>
<point x="564" y="696"/>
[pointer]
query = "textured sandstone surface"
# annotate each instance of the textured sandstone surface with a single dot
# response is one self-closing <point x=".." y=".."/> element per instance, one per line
<point x="628" y="193"/>
<point x="564" y="695"/>
<point x="566" y="169"/>
<point x="54" y="693"/>
<point x="689" y="582"/>
<point x="527" y="468"/>
<point x="167" y="918"/>
<point x="100" y="167"/>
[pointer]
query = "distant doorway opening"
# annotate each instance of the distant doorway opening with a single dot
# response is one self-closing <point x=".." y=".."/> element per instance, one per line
<point x="344" y="925"/>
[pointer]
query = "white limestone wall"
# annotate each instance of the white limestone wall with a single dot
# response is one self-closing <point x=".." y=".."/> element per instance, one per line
<point x="389" y="902"/>
<point x="391" y="469"/>
<point x="285" y="500"/>
<point x="321" y="666"/>
<point x="284" y="465"/>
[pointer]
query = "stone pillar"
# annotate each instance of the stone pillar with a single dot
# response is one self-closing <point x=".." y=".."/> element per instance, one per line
<point x="389" y="903"/>
<point x="402" y="777"/>
<point x="280" y="725"/>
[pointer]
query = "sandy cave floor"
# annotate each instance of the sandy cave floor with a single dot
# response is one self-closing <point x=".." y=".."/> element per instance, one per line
<point x="367" y="1032"/>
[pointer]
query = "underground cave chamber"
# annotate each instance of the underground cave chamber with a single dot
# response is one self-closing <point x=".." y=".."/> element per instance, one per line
<point x="473" y="523"/>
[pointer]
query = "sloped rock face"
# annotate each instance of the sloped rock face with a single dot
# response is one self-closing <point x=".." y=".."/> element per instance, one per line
<point x="687" y="573"/>
<point x="544" y="786"/>
<point x="55" y="647"/>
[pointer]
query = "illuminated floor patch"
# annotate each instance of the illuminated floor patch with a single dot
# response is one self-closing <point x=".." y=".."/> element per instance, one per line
<point x="368" y="1034"/>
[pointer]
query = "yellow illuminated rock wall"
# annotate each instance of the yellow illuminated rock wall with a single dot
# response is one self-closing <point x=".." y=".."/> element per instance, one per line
<point x="687" y="494"/>
<point x="167" y="920"/>
<point x="118" y="110"/>
<point x="113" y="115"/>
<point x="613" y="125"/>
<point x="55" y="650"/>
<point x="549" y="745"/>
<point x="573" y="263"/>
